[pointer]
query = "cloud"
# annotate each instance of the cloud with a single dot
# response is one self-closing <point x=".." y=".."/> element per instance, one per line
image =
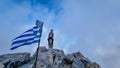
<point x="91" y="27"/>
<point x="110" y="56"/>
<point x="16" y="17"/>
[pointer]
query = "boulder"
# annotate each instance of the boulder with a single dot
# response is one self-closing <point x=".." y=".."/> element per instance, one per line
<point x="2" y="65"/>
<point x="95" y="65"/>
<point x="14" y="60"/>
<point x="77" y="63"/>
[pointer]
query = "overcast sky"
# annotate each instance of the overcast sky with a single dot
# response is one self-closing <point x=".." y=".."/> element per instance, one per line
<point x="89" y="26"/>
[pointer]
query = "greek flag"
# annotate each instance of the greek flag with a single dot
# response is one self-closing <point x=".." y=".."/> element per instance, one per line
<point x="30" y="36"/>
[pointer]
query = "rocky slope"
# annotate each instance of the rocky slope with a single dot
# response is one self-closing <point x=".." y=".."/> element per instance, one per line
<point x="47" y="58"/>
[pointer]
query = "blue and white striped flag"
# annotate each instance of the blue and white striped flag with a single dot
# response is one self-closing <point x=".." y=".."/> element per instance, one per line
<point x="28" y="37"/>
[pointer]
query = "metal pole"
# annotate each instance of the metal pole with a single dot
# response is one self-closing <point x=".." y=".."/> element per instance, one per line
<point x="36" y="57"/>
<point x="38" y="49"/>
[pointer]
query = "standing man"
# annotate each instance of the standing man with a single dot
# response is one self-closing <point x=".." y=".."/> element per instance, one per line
<point x="50" y="39"/>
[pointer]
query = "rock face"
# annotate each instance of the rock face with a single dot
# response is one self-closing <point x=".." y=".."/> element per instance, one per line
<point x="47" y="58"/>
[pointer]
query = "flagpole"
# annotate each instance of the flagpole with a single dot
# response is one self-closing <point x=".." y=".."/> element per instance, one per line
<point x="37" y="55"/>
<point x="38" y="49"/>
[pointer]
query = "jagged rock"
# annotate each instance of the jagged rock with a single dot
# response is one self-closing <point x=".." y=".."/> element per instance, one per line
<point x="14" y="60"/>
<point x="2" y="65"/>
<point x="68" y="59"/>
<point x="58" y="59"/>
<point x="87" y="63"/>
<point x="95" y="65"/>
<point x="77" y="63"/>
<point x="47" y="58"/>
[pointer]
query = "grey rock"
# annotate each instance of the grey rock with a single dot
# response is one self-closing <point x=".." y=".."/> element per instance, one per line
<point x="14" y="60"/>
<point x="2" y="65"/>
<point x="77" y="63"/>
<point x="87" y="63"/>
<point x="47" y="58"/>
<point x="95" y="65"/>
<point x="68" y="59"/>
<point x="58" y="60"/>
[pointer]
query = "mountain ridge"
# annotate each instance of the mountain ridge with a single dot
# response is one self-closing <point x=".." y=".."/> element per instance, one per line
<point x="47" y="58"/>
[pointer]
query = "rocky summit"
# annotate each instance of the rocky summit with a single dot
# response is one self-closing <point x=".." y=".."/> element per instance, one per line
<point x="47" y="58"/>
